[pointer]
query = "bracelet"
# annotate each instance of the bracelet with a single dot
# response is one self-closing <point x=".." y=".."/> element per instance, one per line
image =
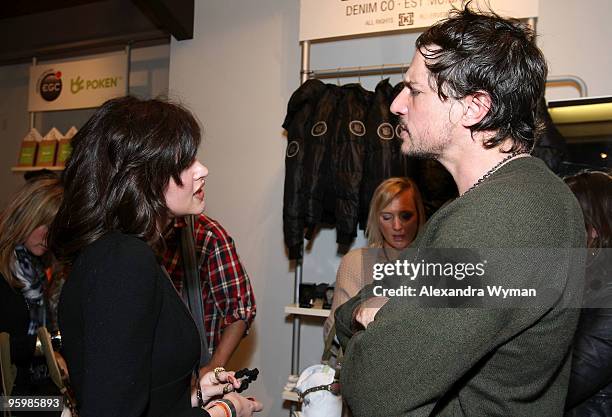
<point x="228" y="407"/>
<point x="231" y="407"/>
<point x="199" y="397"/>
<point x="226" y="410"/>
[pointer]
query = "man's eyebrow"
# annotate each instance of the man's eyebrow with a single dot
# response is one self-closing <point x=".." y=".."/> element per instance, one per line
<point x="410" y="84"/>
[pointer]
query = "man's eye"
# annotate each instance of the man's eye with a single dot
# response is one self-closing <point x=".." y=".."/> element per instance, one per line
<point x="414" y="93"/>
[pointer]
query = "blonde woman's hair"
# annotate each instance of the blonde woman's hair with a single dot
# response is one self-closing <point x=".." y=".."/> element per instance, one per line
<point x="34" y="205"/>
<point x="383" y="195"/>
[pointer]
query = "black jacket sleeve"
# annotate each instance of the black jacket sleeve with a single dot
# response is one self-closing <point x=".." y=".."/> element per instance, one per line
<point x="592" y="357"/>
<point x="297" y="124"/>
<point x="119" y="321"/>
<point x="14" y="320"/>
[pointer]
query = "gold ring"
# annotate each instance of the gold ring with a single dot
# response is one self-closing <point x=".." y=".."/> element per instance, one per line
<point x="217" y="371"/>
<point x="228" y="388"/>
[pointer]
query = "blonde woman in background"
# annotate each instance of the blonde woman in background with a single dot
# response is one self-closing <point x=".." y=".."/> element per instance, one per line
<point x="395" y="217"/>
<point x="23" y="246"/>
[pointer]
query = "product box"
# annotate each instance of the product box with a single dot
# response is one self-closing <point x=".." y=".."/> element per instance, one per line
<point x="29" y="146"/>
<point x="65" y="147"/>
<point x="47" y="148"/>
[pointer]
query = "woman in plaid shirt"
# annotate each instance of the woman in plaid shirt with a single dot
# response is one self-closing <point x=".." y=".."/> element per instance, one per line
<point x="227" y="295"/>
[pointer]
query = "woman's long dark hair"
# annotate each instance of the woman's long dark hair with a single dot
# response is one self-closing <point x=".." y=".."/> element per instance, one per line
<point x="593" y="189"/>
<point x="122" y="160"/>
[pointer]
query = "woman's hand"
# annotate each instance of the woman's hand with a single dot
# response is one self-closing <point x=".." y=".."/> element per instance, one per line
<point x="215" y="385"/>
<point x="245" y="407"/>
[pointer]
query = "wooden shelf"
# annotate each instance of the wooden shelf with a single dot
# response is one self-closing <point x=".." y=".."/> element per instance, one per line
<point x="315" y="311"/>
<point x="27" y="169"/>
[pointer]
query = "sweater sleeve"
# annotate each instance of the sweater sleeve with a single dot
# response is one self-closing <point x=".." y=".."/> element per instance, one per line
<point x="431" y="347"/>
<point x="344" y="315"/>
<point x="349" y="280"/>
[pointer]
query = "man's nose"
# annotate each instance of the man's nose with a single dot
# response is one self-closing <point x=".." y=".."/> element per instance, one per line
<point x="398" y="107"/>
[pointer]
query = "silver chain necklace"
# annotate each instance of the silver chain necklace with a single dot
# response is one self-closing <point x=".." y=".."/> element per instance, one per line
<point x="491" y="171"/>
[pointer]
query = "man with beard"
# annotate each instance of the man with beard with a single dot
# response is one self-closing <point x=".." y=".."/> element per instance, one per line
<point x="469" y="101"/>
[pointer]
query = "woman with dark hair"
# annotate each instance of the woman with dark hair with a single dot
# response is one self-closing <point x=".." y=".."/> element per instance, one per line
<point x="395" y="216"/>
<point x="130" y="342"/>
<point x="590" y="387"/>
<point x="23" y="249"/>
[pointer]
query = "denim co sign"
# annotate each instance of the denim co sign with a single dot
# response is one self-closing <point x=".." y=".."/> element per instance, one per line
<point x="322" y="19"/>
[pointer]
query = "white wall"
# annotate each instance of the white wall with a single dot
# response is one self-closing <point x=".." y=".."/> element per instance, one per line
<point x="237" y="75"/>
<point x="576" y="37"/>
<point x="148" y="78"/>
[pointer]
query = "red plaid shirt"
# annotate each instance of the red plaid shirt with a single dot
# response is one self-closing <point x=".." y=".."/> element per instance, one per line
<point x="226" y="289"/>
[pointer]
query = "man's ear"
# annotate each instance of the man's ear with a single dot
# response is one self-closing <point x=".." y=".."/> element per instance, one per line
<point x="476" y="106"/>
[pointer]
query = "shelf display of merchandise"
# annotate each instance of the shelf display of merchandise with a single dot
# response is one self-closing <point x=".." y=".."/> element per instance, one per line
<point x="49" y="152"/>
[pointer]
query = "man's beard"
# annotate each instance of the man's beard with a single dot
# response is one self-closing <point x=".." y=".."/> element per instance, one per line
<point x="411" y="148"/>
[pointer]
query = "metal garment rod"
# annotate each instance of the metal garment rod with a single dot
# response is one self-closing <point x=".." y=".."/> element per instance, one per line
<point x="296" y="320"/>
<point x="380" y="70"/>
<point x="295" y="340"/>
<point x="346" y="72"/>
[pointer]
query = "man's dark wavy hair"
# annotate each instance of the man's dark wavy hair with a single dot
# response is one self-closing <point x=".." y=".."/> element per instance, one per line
<point x="481" y="51"/>
<point x="121" y="164"/>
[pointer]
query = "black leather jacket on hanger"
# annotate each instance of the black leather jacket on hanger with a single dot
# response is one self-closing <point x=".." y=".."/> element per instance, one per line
<point x="297" y="123"/>
<point x="348" y="158"/>
<point x="318" y="179"/>
<point x="380" y="143"/>
<point x="383" y="156"/>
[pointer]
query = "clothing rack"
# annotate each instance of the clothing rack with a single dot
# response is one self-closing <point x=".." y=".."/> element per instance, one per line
<point x="382" y="70"/>
<point x="363" y="71"/>
<point x="346" y="72"/>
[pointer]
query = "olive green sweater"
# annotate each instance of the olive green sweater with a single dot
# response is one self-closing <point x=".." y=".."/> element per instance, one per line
<point x="476" y="362"/>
